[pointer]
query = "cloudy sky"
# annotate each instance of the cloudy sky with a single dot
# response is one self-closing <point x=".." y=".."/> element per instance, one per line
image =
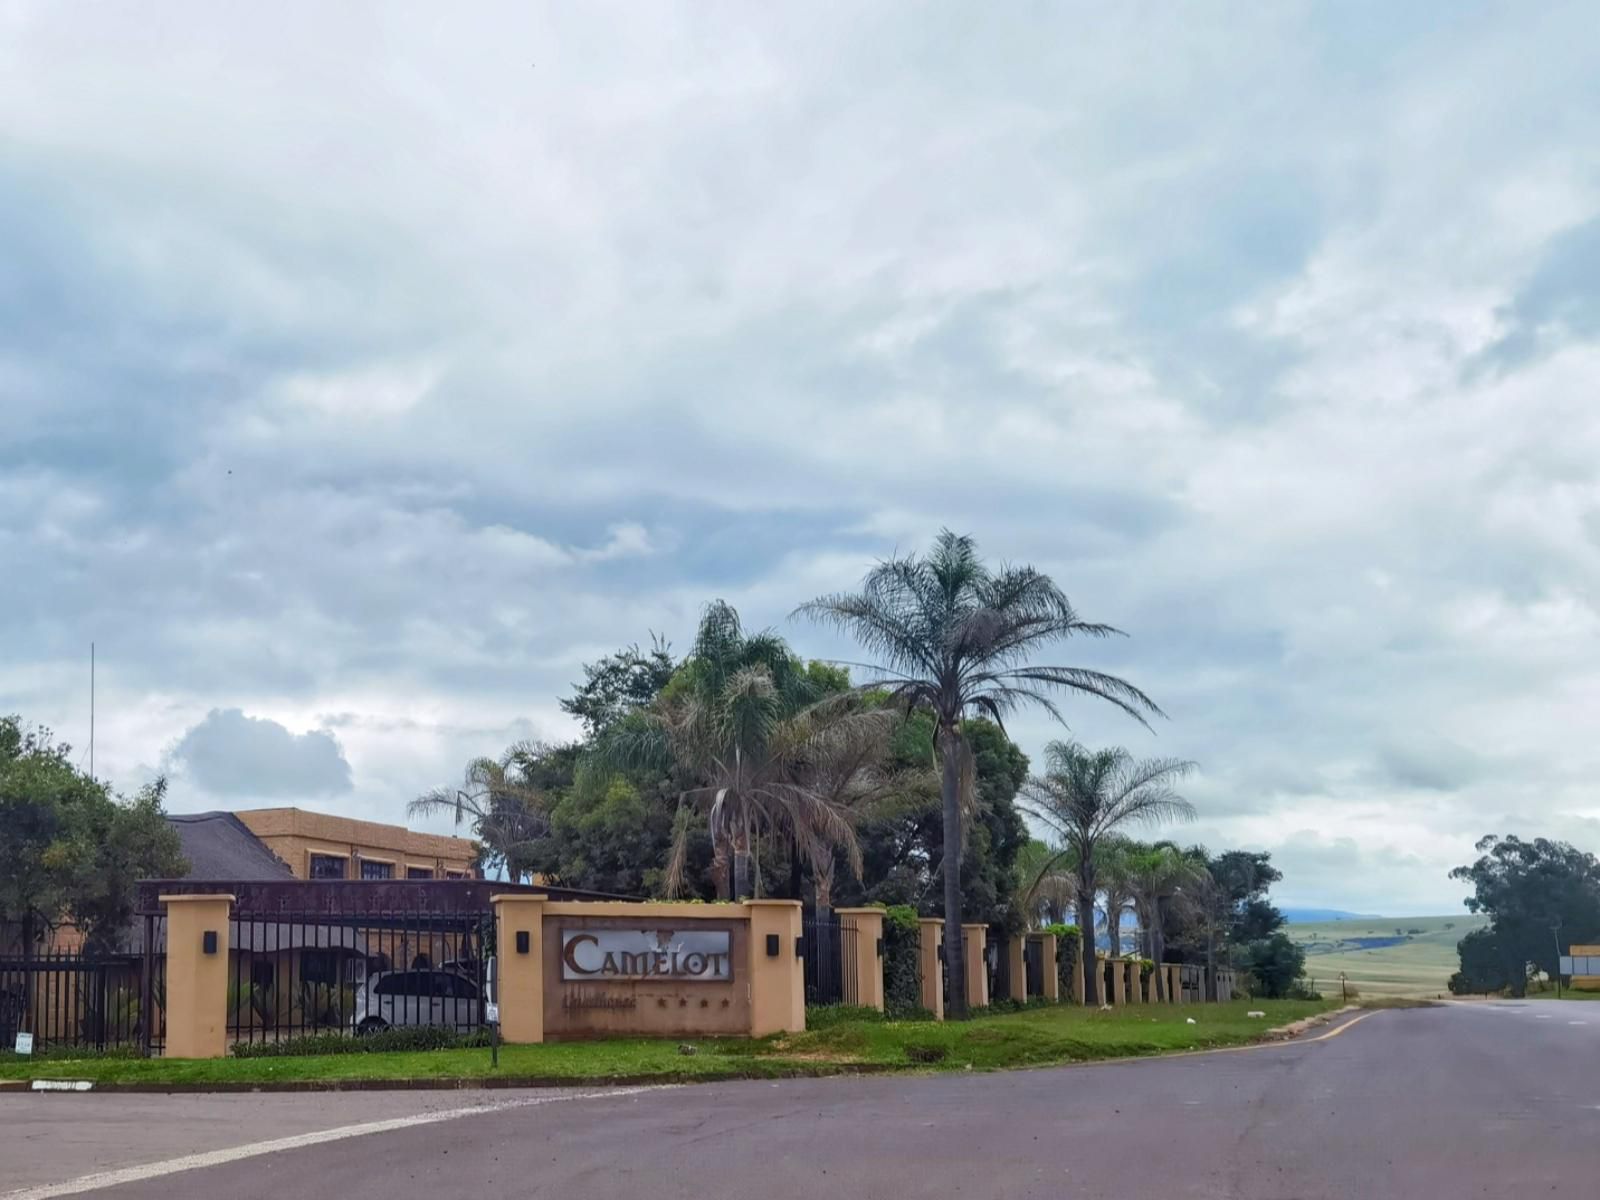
<point x="364" y="371"/>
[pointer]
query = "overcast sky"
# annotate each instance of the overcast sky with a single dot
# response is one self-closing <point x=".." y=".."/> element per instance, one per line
<point x="365" y="372"/>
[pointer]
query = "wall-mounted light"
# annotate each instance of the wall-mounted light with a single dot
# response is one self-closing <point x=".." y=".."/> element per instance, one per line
<point x="880" y="947"/>
<point x="208" y="942"/>
<point x="522" y="941"/>
<point x="773" y="944"/>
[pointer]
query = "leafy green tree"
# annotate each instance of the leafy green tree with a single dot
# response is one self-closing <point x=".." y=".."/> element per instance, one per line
<point x="1089" y="798"/>
<point x="1486" y="966"/>
<point x="71" y="852"/>
<point x="1275" y="963"/>
<point x="1539" y="896"/>
<point x="954" y="639"/>
<point x="619" y="684"/>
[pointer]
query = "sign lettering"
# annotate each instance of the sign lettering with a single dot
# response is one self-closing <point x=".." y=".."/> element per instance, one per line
<point x="603" y="955"/>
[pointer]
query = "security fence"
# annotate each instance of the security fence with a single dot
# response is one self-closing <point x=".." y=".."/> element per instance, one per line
<point x="80" y="1001"/>
<point x="829" y="946"/>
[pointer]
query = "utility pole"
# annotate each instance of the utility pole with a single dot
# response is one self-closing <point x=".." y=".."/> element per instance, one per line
<point x="91" y="710"/>
<point x="1555" y="933"/>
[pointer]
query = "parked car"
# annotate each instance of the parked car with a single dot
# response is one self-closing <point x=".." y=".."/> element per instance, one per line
<point x="420" y="997"/>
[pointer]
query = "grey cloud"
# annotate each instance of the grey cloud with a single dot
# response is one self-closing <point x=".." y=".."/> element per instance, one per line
<point x="230" y="754"/>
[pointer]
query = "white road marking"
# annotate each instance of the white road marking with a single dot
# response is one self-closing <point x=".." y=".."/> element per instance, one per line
<point x="1577" y="1022"/>
<point x="217" y="1158"/>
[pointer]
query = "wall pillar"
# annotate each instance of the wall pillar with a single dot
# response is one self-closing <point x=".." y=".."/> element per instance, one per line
<point x="1172" y="981"/>
<point x="519" y="973"/>
<point x="975" y="942"/>
<point x="197" y="980"/>
<point x="867" y="989"/>
<point x="1119" y="989"/>
<point x="1078" y="995"/>
<point x="777" y="985"/>
<point x="930" y="932"/>
<point x="1018" y="968"/>
<point x="1052" y="976"/>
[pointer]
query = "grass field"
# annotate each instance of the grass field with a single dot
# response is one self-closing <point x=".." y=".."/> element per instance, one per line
<point x="840" y="1040"/>
<point x="1419" y="961"/>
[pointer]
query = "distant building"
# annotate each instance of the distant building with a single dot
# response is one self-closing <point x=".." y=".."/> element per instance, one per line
<point x="1585" y="968"/>
<point x="320" y="846"/>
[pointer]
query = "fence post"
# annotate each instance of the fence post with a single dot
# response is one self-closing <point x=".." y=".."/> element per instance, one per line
<point x="1118" y="997"/>
<point x="931" y="934"/>
<point x="975" y="940"/>
<point x="1019" y="969"/>
<point x="868" y="990"/>
<point x="1051" y="973"/>
<point x="197" y="975"/>
<point x="777" y="982"/>
<point x="519" y="966"/>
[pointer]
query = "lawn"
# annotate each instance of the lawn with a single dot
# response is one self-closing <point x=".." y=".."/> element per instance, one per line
<point x="1418" y="961"/>
<point x="840" y="1041"/>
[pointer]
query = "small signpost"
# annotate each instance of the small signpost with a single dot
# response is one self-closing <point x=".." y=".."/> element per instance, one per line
<point x="24" y="1043"/>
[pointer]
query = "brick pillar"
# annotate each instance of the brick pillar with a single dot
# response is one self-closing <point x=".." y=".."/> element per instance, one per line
<point x="519" y="966"/>
<point x="1052" y="976"/>
<point x="1119" y="994"/>
<point x="1019" y="969"/>
<point x="931" y="932"/>
<point x="197" y="980"/>
<point x="1078" y="996"/>
<point x="866" y="989"/>
<point x="975" y="939"/>
<point x="777" y="985"/>
<point x="1172" y="982"/>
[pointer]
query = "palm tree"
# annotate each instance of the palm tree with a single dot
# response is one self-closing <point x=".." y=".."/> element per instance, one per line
<point x="1088" y="797"/>
<point x="768" y="753"/>
<point x="954" y="638"/>
<point x="1116" y="856"/>
<point x="506" y="813"/>
<point x="1157" y="875"/>
<point x="1048" y="887"/>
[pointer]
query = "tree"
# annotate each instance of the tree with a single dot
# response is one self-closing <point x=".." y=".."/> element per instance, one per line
<point x="1275" y="963"/>
<point x="1156" y="876"/>
<point x="1048" y="888"/>
<point x="620" y="683"/>
<point x="1117" y="887"/>
<point x="1089" y="797"/>
<point x="71" y="852"/>
<point x="1486" y="965"/>
<point x="752" y="726"/>
<point x="954" y="639"/>
<point x="507" y="813"/>
<point x="1536" y="895"/>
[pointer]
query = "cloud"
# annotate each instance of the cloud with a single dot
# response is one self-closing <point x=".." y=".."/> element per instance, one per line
<point x="229" y="755"/>
<point x="372" y="378"/>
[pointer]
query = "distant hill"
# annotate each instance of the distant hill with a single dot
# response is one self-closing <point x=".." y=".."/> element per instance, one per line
<point x="1383" y="956"/>
<point x="1301" y="915"/>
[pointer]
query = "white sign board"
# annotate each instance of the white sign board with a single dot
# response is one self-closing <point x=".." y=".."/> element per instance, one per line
<point x="24" y="1043"/>
<point x="491" y="1013"/>
<point x="607" y="955"/>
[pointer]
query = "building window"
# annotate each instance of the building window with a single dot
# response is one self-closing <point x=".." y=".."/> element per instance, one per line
<point x="327" y="866"/>
<point x="376" y="870"/>
<point x="419" y="872"/>
<point x="455" y="875"/>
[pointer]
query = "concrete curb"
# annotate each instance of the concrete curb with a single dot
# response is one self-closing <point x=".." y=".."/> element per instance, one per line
<point x="1295" y="1028"/>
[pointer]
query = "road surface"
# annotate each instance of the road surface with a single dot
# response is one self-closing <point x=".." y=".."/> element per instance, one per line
<point x="1460" y="1101"/>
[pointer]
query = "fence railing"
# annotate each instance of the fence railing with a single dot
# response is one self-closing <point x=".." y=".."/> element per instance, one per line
<point x="71" y="1000"/>
<point x="297" y="973"/>
<point x="829" y="942"/>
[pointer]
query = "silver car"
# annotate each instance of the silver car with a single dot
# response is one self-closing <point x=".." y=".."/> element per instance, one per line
<point x="422" y="996"/>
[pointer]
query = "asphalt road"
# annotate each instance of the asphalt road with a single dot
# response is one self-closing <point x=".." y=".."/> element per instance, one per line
<point x="1461" y="1101"/>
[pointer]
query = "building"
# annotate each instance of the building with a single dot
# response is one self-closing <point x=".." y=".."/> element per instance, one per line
<point x="1584" y="968"/>
<point x="319" y="846"/>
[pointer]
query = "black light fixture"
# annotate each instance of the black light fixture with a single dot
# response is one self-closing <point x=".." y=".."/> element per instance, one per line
<point x="773" y="944"/>
<point x="208" y="942"/>
<point x="522" y="941"/>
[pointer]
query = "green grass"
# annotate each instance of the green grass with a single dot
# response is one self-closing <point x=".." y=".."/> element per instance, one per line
<point x="1421" y="965"/>
<point x="841" y="1042"/>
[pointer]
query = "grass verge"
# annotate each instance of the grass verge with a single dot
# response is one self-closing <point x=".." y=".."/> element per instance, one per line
<point x="852" y="1041"/>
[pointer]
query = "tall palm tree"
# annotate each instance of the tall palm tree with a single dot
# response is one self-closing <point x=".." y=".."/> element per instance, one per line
<point x="954" y="638"/>
<point x="506" y="813"/>
<point x="744" y="720"/>
<point x="1088" y="797"/>
<point x="1116" y="857"/>
<point x="1157" y="875"/>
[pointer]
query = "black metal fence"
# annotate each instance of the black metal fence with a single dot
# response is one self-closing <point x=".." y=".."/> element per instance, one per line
<point x="998" y="962"/>
<point x="830" y="958"/>
<point x="1033" y="963"/>
<point x="71" y="1000"/>
<point x="351" y="970"/>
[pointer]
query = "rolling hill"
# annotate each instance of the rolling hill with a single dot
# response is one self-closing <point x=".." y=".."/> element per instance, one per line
<point x="1383" y="956"/>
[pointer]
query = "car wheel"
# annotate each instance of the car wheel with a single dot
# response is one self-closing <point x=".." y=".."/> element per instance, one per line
<point x="372" y="1025"/>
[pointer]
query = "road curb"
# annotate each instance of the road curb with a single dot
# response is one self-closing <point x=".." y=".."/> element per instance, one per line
<point x="1294" y="1029"/>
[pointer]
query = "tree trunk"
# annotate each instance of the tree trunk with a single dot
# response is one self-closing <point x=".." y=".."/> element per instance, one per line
<point x="743" y="883"/>
<point x="1113" y="928"/>
<point x="1087" y="962"/>
<point x="1210" y="990"/>
<point x="722" y="869"/>
<point x="1158" y="950"/>
<point x="796" y="878"/>
<point x="950" y="794"/>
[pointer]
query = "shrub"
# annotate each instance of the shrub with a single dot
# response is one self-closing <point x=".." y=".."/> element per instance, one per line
<point x="902" y="951"/>
<point x="407" y="1037"/>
